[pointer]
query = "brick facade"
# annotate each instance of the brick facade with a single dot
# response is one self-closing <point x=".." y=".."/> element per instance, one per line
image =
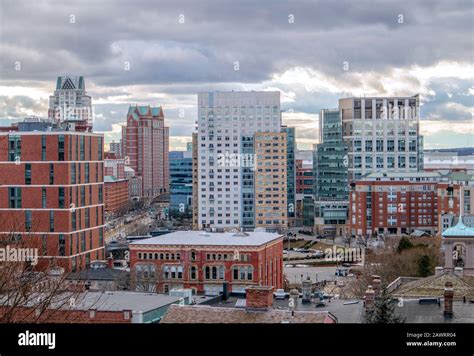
<point x="51" y="191"/>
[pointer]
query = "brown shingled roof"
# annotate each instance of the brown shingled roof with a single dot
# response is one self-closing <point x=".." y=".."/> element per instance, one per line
<point x="203" y="314"/>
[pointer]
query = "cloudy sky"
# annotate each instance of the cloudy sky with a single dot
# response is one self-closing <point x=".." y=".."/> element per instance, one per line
<point x="174" y="49"/>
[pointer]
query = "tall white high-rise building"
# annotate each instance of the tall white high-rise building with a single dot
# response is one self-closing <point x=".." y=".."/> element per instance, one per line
<point x="382" y="134"/>
<point x="70" y="103"/>
<point x="227" y="123"/>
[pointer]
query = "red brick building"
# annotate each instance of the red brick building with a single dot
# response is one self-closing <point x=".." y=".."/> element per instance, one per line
<point x="394" y="203"/>
<point x="204" y="261"/>
<point x="116" y="194"/>
<point x="146" y="147"/>
<point x="304" y="177"/>
<point x="51" y="194"/>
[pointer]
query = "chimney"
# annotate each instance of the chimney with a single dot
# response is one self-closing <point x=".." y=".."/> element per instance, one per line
<point x="458" y="271"/>
<point x="377" y="285"/>
<point x="369" y="298"/>
<point x="258" y="297"/>
<point x="439" y="271"/>
<point x="448" y="299"/>
<point x="110" y="261"/>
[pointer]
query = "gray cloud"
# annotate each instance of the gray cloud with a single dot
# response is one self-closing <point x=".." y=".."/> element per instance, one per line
<point x="174" y="60"/>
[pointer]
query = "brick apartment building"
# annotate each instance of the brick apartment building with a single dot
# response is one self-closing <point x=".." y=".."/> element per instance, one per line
<point x="397" y="203"/>
<point x="146" y="146"/>
<point x="203" y="261"/>
<point x="51" y="193"/>
<point x="116" y="194"/>
<point x="116" y="186"/>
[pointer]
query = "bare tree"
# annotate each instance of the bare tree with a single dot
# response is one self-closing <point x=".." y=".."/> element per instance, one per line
<point x="31" y="292"/>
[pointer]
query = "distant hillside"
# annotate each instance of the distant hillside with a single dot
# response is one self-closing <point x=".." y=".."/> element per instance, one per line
<point x="462" y="151"/>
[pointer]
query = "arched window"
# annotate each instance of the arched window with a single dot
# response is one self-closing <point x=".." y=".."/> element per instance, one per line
<point x="166" y="272"/>
<point x="150" y="256"/>
<point x="214" y="272"/>
<point x="180" y="272"/>
<point x="221" y="272"/>
<point x="161" y="256"/>
<point x="172" y="256"/>
<point x="207" y="272"/>
<point x="167" y="256"/>
<point x="250" y="273"/>
<point x="144" y="256"/>
<point x="139" y="255"/>
<point x="193" y="255"/>
<point x="235" y="272"/>
<point x="178" y="256"/>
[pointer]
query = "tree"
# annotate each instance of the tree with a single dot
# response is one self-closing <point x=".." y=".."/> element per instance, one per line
<point x="383" y="311"/>
<point x="404" y="244"/>
<point x="33" y="291"/>
<point x="424" y="266"/>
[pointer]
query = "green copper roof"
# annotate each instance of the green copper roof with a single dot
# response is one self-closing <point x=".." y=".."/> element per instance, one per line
<point x="459" y="230"/>
<point x="143" y="110"/>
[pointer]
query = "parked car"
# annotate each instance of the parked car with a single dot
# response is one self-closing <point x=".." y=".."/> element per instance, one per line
<point x="279" y="294"/>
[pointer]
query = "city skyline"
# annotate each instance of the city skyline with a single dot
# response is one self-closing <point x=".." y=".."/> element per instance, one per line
<point x="400" y="49"/>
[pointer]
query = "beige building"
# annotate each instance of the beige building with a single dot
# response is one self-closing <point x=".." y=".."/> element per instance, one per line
<point x="195" y="183"/>
<point x="271" y="181"/>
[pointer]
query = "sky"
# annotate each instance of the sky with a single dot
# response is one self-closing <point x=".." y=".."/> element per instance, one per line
<point x="163" y="53"/>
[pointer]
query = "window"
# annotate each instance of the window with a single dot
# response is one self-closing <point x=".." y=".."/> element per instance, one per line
<point x="82" y="157"/>
<point x="99" y="158"/>
<point x="27" y="173"/>
<point x="87" y="172"/>
<point x="43" y="198"/>
<point x="62" y="245"/>
<point x="193" y="256"/>
<point x="51" y="221"/>
<point x="83" y="195"/>
<point x="83" y="241"/>
<point x="207" y="273"/>
<point x="51" y="173"/>
<point x="14" y="148"/>
<point x="73" y="219"/>
<point x="193" y="274"/>
<point x="43" y="147"/>
<point x="28" y="220"/>
<point x="101" y="237"/>
<point x="73" y="173"/>
<point x="60" y="197"/>
<point x="100" y="194"/>
<point x="61" y="148"/>
<point x="14" y="198"/>
<point x="87" y="218"/>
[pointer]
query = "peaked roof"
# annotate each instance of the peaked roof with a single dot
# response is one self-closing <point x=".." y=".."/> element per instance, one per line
<point x="144" y="110"/>
<point x="433" y="286"/>
<point x="459" y="230"/>
<point x="70" y="82"/>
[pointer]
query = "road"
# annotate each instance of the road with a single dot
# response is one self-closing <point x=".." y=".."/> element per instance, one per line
<point x="127" y="229"/>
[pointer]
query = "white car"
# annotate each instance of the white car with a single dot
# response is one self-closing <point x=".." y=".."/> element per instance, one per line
<point x="279" y="294"/>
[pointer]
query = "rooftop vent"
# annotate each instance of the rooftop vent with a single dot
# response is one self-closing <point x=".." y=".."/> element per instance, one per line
<point x="241" y="233"/>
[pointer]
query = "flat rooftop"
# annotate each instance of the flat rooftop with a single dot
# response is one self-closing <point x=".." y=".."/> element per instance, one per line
<point x="123" y="300"/>
<point x="202" y="238"/>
